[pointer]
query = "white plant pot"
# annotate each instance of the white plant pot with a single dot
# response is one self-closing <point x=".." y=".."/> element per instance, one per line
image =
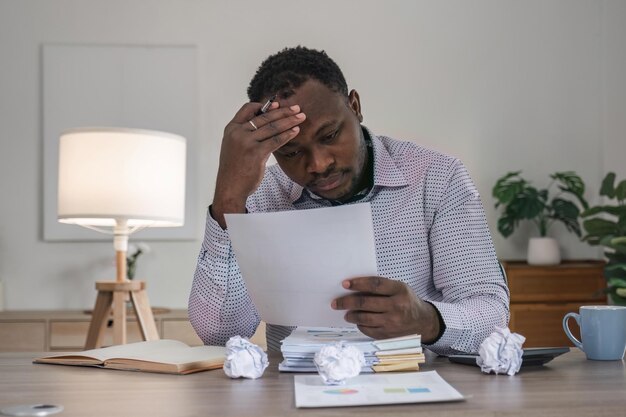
<point x="543" y="251"/>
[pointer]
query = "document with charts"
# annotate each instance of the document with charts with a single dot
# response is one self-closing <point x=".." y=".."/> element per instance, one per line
<point x="293" y="262"/>
<point x="413" y="387"/>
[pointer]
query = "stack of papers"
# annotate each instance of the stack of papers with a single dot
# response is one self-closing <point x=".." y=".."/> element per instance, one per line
<point x="399" y="354"/>
<point x="386" y="355"/>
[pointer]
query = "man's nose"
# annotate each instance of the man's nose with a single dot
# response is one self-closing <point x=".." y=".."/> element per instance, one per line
<point x="319" y="159"/>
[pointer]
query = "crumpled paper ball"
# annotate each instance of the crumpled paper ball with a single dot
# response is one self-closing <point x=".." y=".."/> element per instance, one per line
<point x="501" y="352"/>
<point x="338" y="362"/>
<point x="244" y="359"/>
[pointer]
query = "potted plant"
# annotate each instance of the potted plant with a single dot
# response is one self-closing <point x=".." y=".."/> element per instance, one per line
<point x="521" y="201"/>
<point x="134" y="251"/>
<point x="606" y="225"/>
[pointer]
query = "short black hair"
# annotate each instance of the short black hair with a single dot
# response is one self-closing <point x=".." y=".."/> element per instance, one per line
<point x="289" y="68"/>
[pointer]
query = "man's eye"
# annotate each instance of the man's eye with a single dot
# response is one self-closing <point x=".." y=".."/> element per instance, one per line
<point x="332" y="136"/>
<point x="291" y="154"/>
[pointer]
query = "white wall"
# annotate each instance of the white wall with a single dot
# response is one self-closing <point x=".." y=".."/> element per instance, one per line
<point x="505" y="85"/>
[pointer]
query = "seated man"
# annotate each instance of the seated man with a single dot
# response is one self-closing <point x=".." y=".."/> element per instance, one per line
<point x="439" y="275"/>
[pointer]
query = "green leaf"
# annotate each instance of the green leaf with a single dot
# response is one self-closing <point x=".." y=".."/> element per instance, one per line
<point x="567" y="213"/>
<point x="615" y="267"/>
<point x="573" y="185"/>
<point x="615" y="258"/>
<point x="620" y="191"/>
<point x="617" y="300"/>
<point x="614" y="210"/>
<point x="506" y="226"/>
<point x="507" y="187"/>
<point x="592" y="211"/>
<point x="599" y="227"/>
<point x="619" y="248"/>
<point x="606" y="240"/>
<point x="607" y="187"/>
<point x="525" y="205"/>
<point x="617" y="282"/>
<point x="592" y="240"/>
<point x="571" y="181"/>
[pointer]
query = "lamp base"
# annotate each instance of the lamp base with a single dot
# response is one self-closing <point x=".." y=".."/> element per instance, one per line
<point x="113" y="295"/>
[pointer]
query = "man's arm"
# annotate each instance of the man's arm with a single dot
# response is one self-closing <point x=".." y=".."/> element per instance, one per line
<point x="219" y="304"/>
<point x="465" y="270"/>
<point x="248" y="142"/>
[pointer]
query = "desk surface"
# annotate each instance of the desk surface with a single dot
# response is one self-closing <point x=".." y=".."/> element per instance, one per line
<point x="568" y="386"/>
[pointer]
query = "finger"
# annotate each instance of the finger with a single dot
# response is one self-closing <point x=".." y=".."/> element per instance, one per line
<point x="363" y="302"/>
<point x="379" y="332"/>
<point x="364" y="318"/>
<point x="274" y="142"/>
<point x="374" y="285"/>
<point x="373" y="332"/>
<point x="246" y="112"/>
<point x="278" y="120"/>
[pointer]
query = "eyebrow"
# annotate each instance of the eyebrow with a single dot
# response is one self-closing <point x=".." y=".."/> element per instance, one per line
<point x="290" y="145"/>
<point x="323" y="127"/>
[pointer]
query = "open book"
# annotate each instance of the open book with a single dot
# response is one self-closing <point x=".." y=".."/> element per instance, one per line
<point x="164" y="356"/>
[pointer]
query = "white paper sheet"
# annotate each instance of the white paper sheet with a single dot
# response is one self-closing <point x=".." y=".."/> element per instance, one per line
<point x="413" y="387"/>
<point x="293" y="262"/>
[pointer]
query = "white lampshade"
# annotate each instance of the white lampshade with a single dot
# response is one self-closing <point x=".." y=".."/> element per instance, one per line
<point x="107" y="175"/>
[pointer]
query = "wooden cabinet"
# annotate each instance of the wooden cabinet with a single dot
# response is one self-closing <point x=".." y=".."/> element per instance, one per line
<point x="542" y="295"/>
<point x="40" y="331"/>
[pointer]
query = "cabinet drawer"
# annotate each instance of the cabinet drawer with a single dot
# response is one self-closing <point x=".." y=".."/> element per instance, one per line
<point x="71" y="335"/>
<point x="566" y="282"/>
<point x="23" y="336"/>
<point x="542" y="324"/>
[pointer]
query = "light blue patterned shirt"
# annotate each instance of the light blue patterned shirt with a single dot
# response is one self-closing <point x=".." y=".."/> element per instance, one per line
<point x="430" y="232"/>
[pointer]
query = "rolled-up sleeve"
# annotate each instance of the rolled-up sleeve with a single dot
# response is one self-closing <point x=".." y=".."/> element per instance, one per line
<point x="219" y="304"/>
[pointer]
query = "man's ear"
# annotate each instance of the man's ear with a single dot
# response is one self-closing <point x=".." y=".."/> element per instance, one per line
<point x="355" y="104"/>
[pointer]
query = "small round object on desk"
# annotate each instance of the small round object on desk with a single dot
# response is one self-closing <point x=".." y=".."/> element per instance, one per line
<point x="37" y="410"/>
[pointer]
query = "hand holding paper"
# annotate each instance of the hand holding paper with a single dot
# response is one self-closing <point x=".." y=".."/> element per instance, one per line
<point x="384" y="308"/>
<point x="294" y="262"/>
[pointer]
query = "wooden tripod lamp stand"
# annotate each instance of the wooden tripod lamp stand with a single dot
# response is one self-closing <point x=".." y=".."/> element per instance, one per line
<point x="125" y="180"/>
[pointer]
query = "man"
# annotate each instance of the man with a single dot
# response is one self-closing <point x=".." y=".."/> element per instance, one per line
<point x="439" y="275"/>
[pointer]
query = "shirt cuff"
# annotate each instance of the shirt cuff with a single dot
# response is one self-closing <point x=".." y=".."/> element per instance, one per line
<point x="457" y="335"/>
<point x="214" y="232"/>
<point x="442" y="325"/>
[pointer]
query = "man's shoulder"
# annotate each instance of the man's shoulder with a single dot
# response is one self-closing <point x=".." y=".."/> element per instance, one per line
<point x="411" y="157"/>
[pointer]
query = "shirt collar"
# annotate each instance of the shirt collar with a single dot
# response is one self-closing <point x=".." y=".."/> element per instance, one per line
<point x="386" y="173"/>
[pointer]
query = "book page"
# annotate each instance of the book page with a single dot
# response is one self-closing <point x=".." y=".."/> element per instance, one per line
<point x="177" y="355"/>
<point x="159" y="351"/>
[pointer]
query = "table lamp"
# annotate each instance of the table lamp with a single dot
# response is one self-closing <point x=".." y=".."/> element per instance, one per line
<point x="118" y="181"/>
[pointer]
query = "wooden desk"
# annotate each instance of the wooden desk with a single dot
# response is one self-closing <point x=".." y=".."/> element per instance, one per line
<point x="568" y="386"/>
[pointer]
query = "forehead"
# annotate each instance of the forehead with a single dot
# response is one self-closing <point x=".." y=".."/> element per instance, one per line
<point x="320" y="104"/>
